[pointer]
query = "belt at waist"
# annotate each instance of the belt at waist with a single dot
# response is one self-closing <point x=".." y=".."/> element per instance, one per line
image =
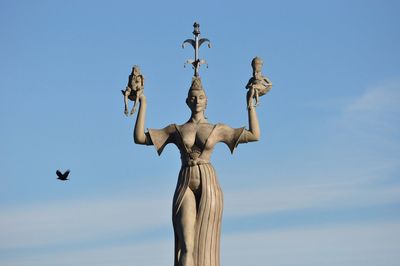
<point x="193" y="162"/>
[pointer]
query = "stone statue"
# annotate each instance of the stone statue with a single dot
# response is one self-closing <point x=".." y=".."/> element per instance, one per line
<point x="258" y="84"/>
<point x="198" y="200"/>
<point x="134" y="89"/>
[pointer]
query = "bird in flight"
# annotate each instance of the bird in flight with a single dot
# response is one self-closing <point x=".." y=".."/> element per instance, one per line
<point x="61" y="176"/>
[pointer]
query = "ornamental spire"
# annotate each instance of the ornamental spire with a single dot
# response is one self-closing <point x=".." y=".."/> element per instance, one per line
<point x="196" y="43"/>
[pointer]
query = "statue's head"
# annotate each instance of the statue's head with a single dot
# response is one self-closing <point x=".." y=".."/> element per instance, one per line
<point x="257" y="64"/>
<point x="197" y="99"/>
<point x="136" y="70"/>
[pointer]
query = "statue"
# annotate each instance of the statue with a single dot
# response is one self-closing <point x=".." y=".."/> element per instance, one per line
<point x="134" y="89"/>
<point x="258" y="85"/>
<point x="198" y="200"/>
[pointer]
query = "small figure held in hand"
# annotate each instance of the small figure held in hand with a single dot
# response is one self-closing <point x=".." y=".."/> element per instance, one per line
<point x="258" y="85"/>
<point x="134" y="89"/>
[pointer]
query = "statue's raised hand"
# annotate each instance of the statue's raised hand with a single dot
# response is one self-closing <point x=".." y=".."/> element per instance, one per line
<point x="251" y="94"/>
<point x="142" y="98"/>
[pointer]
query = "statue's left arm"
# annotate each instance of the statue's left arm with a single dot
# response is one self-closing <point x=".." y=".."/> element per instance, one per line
<point x="233" y="136"/>
<point x="253" y="134"/>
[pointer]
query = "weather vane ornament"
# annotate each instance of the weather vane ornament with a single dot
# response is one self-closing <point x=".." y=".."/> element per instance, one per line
<point x="196" y="44"/>
<point x="198" y="200"/>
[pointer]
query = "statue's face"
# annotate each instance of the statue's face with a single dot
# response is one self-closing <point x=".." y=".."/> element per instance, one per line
<point x="136" y="71"/>
<point x="258" y="66"/>
<point x="197" y="101"/>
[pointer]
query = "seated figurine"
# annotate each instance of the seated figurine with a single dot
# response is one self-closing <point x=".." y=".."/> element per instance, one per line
<point x="134" y="89"/>
<point x="258" y="85"/>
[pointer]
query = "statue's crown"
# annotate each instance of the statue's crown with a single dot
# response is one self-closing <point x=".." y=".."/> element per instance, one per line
<point x="196" y="84"/>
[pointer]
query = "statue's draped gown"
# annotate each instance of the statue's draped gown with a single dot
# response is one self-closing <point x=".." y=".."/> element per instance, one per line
<point x="195" y="161"/>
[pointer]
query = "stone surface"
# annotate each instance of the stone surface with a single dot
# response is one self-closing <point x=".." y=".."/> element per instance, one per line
<point x="198" y="199"/>
<point x="258" y="84"/>
<point x="134" y="89"/>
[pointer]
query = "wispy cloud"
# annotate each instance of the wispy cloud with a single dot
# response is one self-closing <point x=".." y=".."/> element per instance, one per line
<point x="364" y="137"/>
<point x="376" y="111"/>
<point x="144" y="254"/>
<point x="346" y="245"/>
<point x="382" y="98"/>
<point x="78" y="220"/>
<point x="297" y="197"/>
<point x="82" y="220"/>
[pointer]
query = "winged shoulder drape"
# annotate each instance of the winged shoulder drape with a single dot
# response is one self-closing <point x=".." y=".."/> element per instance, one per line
<point x="195" y="160"/>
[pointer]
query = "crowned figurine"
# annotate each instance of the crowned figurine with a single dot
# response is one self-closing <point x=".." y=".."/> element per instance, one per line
<point x="258" y="84"/>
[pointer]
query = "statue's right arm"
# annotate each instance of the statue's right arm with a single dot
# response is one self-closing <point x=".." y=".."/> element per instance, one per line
<point x="139" y="136"/>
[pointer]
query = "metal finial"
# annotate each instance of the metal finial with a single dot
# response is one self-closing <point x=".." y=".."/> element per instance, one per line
<point x="196" y="43"/>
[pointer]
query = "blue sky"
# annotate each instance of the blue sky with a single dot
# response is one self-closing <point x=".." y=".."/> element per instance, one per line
<point x="321" y="187"/>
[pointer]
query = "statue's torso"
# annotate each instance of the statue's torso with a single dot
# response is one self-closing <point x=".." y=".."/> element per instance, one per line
<point x="196" y="142"/>
<point x="136" y="82"/>
<point x="195" y="136"/>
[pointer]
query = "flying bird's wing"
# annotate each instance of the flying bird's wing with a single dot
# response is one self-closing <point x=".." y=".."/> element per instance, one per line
<point x="66" y="173"/>
<point x="59" y="174"/>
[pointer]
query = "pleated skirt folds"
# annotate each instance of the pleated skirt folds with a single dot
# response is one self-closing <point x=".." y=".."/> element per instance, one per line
<point x="206" y="251"/>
